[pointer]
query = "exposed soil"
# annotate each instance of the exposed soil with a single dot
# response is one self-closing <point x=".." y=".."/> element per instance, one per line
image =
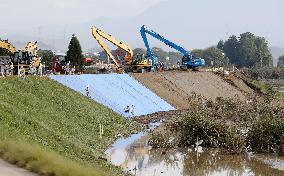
<point x="238" y="80"/>
<point x="176" y="87"/>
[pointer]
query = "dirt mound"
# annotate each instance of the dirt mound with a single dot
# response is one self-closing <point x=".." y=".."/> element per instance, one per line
<point x="176" y="87"/>
<point x="238" y="80"/>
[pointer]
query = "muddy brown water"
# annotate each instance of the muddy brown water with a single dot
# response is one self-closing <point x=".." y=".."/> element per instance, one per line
<point x="133" y="154"/>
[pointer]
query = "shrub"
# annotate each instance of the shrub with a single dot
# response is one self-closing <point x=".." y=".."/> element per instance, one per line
<point x="227" y="124"/>
<point x="267" y="135"/>
<point x="195" y="127"/>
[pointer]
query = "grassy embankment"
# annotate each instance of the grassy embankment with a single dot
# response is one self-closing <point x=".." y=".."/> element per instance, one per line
<point x="41" y="119"/>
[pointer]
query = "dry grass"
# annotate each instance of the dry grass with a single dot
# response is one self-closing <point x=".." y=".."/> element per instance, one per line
<point x="47" y="163"/>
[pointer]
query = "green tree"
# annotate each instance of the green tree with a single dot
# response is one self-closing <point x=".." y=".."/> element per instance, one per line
<point x="220" y="45"/>
<point x="216" y="55"/>
<point x="74" y="53"/>
<point x="248" y="51"/>
<point x="46" y="57"/>
<point x="160" y="53"/>
<point x="197" y="53"/>
<point x="138" y="51"/>
<point x="231" y="49"/>
<point x="263" y="57"/>
<point x="280" y="62"/>
<point x="212" y="54"/>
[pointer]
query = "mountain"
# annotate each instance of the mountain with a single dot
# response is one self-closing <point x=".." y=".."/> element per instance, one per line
<point x="41" y="45"/>
<point x="276" y="53"/>
<point x="191" y="24"/>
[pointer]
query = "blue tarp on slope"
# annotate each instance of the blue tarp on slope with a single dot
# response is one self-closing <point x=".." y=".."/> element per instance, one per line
<point x="116" y="91"/>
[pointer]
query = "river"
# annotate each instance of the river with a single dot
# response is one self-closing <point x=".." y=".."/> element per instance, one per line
<point x="133" y="154"/>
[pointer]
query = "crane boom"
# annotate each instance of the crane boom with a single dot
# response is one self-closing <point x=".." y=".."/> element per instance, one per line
<point x="144" y="30"/>
<point x="5" y="44"/>
<point x="97" y="33"/>
<point x="188" y="60"/>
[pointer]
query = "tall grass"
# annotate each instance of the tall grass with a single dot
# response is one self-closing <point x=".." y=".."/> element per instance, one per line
<point x="267" y="135"/>
<point x="38" y="160"/>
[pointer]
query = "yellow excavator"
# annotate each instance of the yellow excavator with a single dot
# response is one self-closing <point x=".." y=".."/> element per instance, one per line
<point x="128" y="63"/>
<point x="32" y="49"/>
<point x="8" y="46"/>
<point x="24" y="57"/>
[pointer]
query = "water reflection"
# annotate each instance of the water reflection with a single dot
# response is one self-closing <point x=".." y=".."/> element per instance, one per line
<point x="134" y="155"/>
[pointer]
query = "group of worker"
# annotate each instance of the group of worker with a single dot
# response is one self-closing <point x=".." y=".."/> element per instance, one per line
<point x="160" y="66"/>
<point x="130" y="110"/>
<point x="35" y="68"/>
<point x="57" y="68"/>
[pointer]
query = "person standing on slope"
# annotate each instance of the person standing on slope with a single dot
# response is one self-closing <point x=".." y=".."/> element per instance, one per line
<point x="87" y="91"/>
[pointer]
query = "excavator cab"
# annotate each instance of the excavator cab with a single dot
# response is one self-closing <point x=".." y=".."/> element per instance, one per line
<point x="140" y="62"/>
<point x="22" y="58"/>
<point x="192" y="62"/>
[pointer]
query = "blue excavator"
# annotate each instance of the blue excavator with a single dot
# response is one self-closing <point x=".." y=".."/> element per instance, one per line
<point x="188" y="60"/>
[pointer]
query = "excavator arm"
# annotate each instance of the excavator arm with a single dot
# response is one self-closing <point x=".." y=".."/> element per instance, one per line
<point x="188" y="60"/>
<point x="6" y="45"/>
<point x="144" y="30"/>
<point x="97" y="33"/>
<point x="31" y="47"/>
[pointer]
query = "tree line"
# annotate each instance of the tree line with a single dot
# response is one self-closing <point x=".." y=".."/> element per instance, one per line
<point x="247" y="50"/>
<point x="244" y="51"/>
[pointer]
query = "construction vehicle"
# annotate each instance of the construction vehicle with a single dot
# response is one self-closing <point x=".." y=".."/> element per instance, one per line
<point x="129" y="63"/>
<point x="188" y="60"/>
<point x="17" y="58"/>
<point x="5" y="61"/>
<point x="26" y="58"/>
<point x="22" y="58"/>
<point x="32" y="49"/>
<point x="8" y="46"/>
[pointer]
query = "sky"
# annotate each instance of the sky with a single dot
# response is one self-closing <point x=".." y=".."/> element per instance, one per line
<point x="33" y="13"/>
<point x="191" y="23"/>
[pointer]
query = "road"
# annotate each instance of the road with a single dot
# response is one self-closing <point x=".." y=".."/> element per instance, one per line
<point x="7" y="169"/>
